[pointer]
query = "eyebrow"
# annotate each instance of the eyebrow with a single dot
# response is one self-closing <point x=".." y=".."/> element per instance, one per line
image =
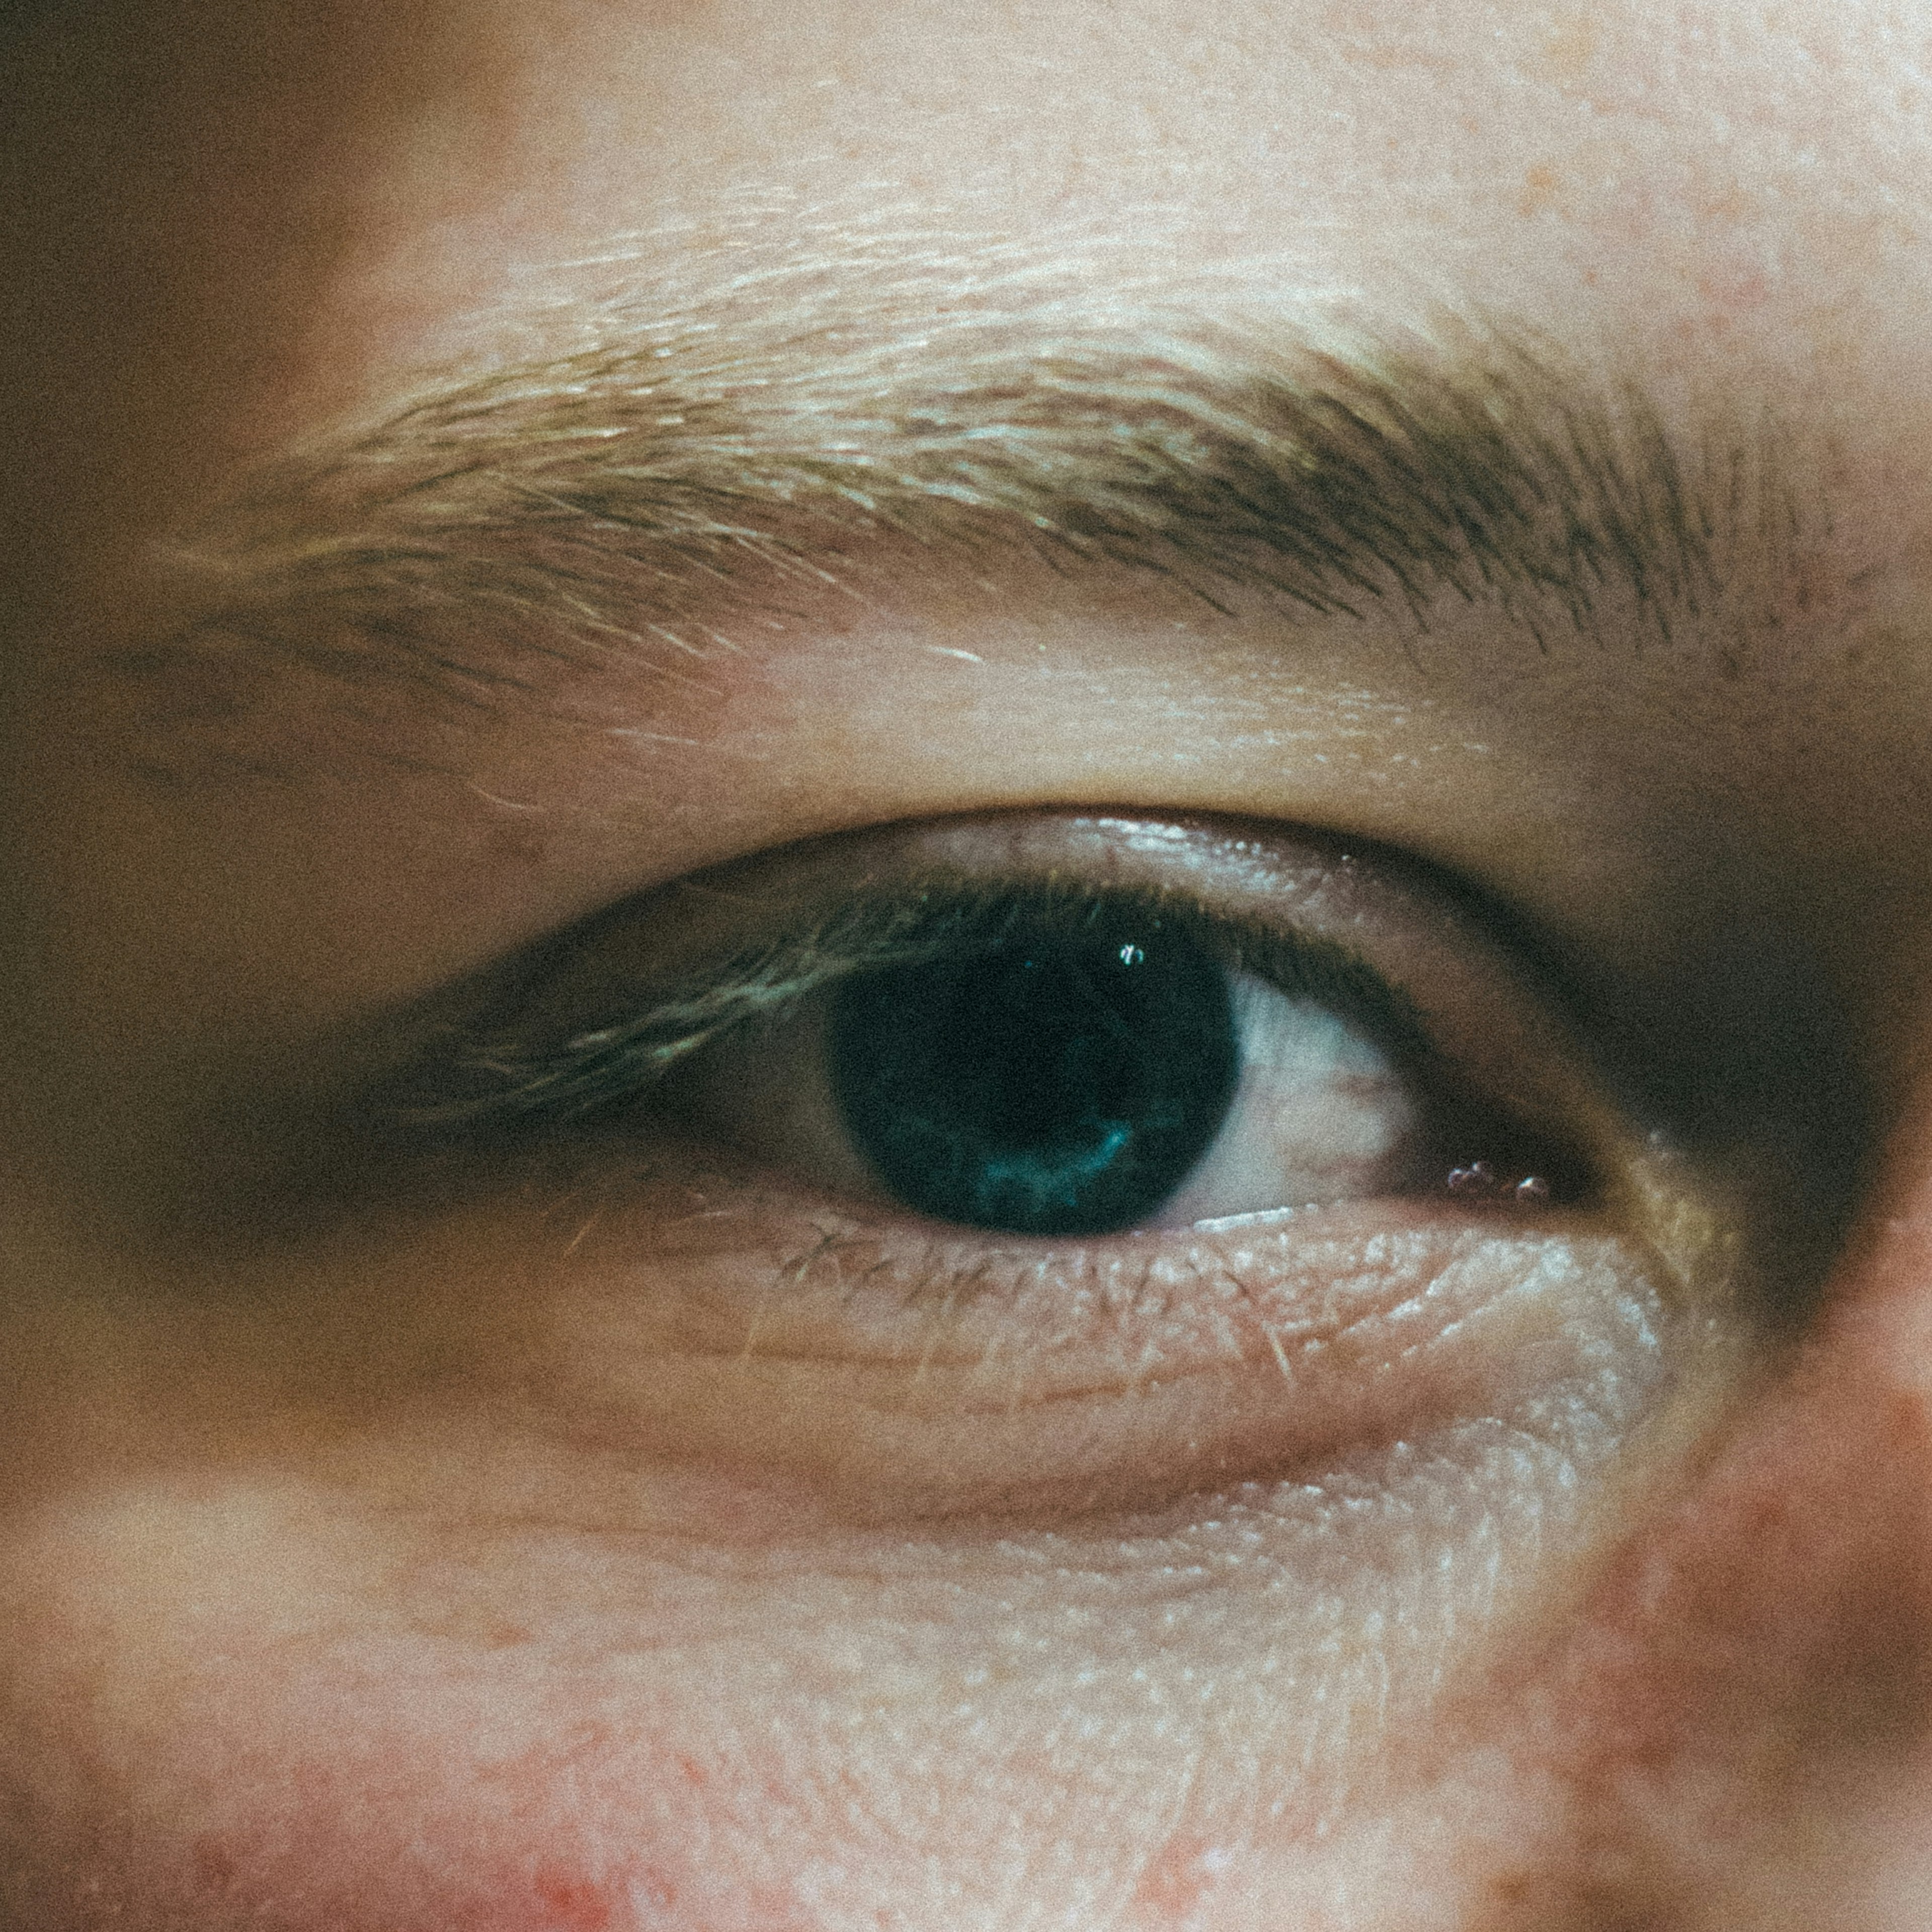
<point x="690" y="471"/>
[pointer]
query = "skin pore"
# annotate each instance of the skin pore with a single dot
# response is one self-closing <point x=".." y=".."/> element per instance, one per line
<point x="511" y="511"/>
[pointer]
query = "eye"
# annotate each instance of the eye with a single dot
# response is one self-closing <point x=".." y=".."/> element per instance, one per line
<point x="1066" y="1064"/>
<point x="1054" y="1028"/>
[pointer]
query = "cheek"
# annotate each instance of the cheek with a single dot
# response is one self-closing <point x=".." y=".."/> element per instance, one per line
<point x="237" y="1705"/>
<point x="1744" y="1718"/>
<point x="236" y="1715"/>
<point x="232" y="1706"/>
<point x="418" y="1799"/>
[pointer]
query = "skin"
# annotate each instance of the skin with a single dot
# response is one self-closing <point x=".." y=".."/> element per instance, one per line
<point x="456" y="1560"/>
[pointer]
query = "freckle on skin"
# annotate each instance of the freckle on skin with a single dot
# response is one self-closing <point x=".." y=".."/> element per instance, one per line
<point x="574" y="1904"/>
<point x="1539" y="190"/>
<point x="519" y="848"/>
<point x="1570" y="48"/>
<point x="214" y="1868"/>
<point x="1175" y="1883"/>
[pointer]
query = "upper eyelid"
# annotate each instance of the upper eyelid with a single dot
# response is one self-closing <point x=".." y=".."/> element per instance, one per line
<point x="512" y="1068"/>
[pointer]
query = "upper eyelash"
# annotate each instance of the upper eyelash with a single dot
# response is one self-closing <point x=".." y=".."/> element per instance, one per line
<point x="509" y="1075"/>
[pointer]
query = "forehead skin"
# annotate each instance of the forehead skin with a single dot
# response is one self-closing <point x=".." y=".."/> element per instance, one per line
<point x="235" y="229"/>
<point x="241" y="227"/>
<point x="334" y="200"/>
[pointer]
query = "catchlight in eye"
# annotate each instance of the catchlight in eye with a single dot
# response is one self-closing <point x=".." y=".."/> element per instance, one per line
<point x="1045" y="1084"/>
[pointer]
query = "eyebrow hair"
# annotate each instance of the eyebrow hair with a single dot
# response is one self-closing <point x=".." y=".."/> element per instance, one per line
<point x="691" y="466"/>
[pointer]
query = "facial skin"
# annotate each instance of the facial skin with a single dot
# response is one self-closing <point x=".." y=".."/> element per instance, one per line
<point x="588" y="1533"/>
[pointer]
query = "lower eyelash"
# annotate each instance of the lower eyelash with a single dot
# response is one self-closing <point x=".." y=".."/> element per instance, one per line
<point x="1368" y="1319"/>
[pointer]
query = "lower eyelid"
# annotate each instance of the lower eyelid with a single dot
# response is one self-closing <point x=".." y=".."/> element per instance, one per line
<point x="894" y="1372"/>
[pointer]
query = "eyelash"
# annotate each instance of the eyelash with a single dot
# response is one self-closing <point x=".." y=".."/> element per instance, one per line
<point x="509" y="1082"/>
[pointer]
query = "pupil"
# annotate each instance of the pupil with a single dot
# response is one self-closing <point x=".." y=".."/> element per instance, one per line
<point x="1045" y="1085"/>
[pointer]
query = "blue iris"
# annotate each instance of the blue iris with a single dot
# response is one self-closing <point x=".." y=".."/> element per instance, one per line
<point x="1045" y="1083"/>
